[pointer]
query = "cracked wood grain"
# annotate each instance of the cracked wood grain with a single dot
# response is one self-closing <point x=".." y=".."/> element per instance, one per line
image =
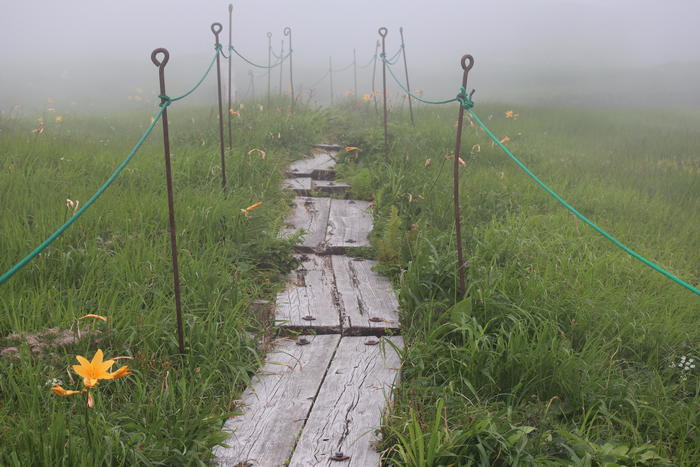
<point x="368" y="299"/>
<point x="349" y="225"/>
<point x="277" y="403"/>
<point x="311" y="215"/>
<point x="308" y="301"/>
<point x="349" y="406"/>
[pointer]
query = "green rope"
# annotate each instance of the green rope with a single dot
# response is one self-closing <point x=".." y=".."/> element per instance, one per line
<point x="164" y="105"/>
<point x="446" y="101"/>
<point x="94" y="197"/>
<point x="578" y="214"/>
<point x="233" y="49"/>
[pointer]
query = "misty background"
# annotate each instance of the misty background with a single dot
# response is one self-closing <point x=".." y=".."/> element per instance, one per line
<point x="94" y="55"/>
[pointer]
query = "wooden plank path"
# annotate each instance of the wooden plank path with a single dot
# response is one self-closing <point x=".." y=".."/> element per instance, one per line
<point x="319" y="398"/>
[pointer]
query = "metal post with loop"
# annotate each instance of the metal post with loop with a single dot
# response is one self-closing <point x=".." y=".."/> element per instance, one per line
<point x="269" y="66"/>
<point x="383" y="32"/>
<point x="251" y="86"/>
<point x="374" y="73"/>
<point x="458" y="146"/>
<point x="216" y="29"/>
<point x="230" y="110"/>
<point x="288" y="32"/>
<point x="408" y="86"/>
<point x="281" y="64"/>
<point x="354" y="75"/>
<point x="330" y="75"/>
<point x="164" y="102"/>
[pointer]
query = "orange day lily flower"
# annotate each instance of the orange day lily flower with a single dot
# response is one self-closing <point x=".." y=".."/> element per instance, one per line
<point x="90" y="315"/>
<point x="251" y="207"/>
<point x="366" y="97"/>
<point x="505" y="140"/>
<point x="58" y="390"/>
<point x="97" y="369"/>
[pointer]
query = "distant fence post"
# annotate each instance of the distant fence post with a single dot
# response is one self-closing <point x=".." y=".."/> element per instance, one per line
<point x="374" y="74"/>
<point x="169" y="184"/>
<point x="330" y="75"/>
<point x="216" y="29"/>
<point x="281" y="64"/>
<point x="269" y="66"/>
<point x="354" y="75"/>
<point x="382" y="32"/>
<point x="458" y="145"/>
<point x="288" y="32"/>
<point x="408" y="85"/>
<point x="229" y="110"/>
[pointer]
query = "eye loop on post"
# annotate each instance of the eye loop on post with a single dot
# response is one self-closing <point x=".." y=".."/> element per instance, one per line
<point x="216" y="28"/>
<point x="465" y="66"/>
<point x="164" y="61"/>
<point x="269" y="35"/>
<point x="287" y="31"/>
<point x="383" y="31"/>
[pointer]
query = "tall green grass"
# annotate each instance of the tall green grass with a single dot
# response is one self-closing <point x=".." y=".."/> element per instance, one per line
<point x="566" y="350"/>
<point x="115" y="262"/>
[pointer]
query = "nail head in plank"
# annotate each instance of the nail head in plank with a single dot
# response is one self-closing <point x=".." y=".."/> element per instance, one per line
<point x="311" y="215"/>
<point x="349" y="225"/>
<point x="276" y="404"/>
<point x="368" y="299"/>
<point x="308" y="301"/>
<point x="348" y="409"/>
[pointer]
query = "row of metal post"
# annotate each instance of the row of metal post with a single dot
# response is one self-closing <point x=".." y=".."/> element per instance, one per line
<point x="216" y="29"/>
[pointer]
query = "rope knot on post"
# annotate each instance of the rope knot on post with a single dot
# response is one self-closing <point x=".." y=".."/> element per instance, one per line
<point x="166" y="100"/>
<point x="464" y="99"/>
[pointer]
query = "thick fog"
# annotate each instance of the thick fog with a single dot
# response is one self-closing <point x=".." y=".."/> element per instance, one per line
<point x="91" y="55"/>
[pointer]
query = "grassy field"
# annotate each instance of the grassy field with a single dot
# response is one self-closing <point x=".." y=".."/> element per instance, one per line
<point x="115" y="262"/>
<point x="566" y="351"/>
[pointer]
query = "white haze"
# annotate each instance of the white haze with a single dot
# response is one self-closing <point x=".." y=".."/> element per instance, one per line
<point x="94" y="54"/>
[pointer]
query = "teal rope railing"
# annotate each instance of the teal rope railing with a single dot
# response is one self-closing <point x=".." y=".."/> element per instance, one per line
<point x="465" y="101"/>
<point x="418" y="98"/>
<point x="233" y="49"/>
<point x="166" y="102"/>
<point x="573" y="210"/>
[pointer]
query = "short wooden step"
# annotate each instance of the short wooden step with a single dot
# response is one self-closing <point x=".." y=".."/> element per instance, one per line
<point x="306" y="186"/>
<point x="342" y="426"/>
<point x="327" y="294"/>
<point x="349" y="225"/>
<point x="310" y="215"/>
<point x="309" y="300"/>
<point x="276" y="404"/>
<point x="321" y="163"/>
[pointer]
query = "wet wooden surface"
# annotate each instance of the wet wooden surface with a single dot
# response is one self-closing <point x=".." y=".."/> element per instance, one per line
<point x="277" y="402"/>
<point x="323" y="161"/>
<point x="349" y="225"/>
<point x="311" y="216"/>
<point x="350" y="404"/>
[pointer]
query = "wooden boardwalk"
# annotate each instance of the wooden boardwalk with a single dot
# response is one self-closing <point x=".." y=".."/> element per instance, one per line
<point x="319" y="398"/>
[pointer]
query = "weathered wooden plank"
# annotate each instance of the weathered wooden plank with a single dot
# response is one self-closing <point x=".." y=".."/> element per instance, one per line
<point x="309" y="299"/>
<point x="349" y="406"/>
<point x="369" y="304"/>
<point x="311" y="215"/>
<point x="349" y="225"/>
<point x="329" y="186"/>
<point x="277" y="403"/>
<point x="302" y="186"/>
<point x="306" y="166"/>
<point x="328" y="147"/>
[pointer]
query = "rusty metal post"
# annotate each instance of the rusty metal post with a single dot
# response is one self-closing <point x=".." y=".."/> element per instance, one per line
<point x="354" y="75"/>
<point x="288" y="32"/>
<point x="252" y="82"/>
<point x="374" y="73"/>
<point x="281" y="64"/>
<point x="169" y="185"/>
<point x="269" y="64"/>
<point x="458" y="145"/>
<point x="230" y="43"/>
<point x="216" y="29"/>
<point x="408" y="85"/>
<point x="382" y="32"/>
<point x="330" y="75"/>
